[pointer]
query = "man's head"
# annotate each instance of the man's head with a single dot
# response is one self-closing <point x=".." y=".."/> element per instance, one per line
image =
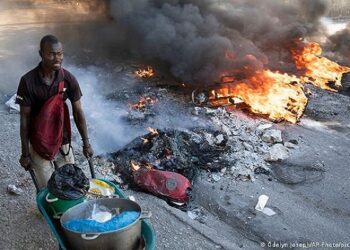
<point x="51" y="52"/>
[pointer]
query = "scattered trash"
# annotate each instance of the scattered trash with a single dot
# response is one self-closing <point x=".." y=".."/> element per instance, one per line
<point x="196" y="111"/>
<point x="260" y="170"/>
<point x="260" y="206"/>
<point x="216" y="177"/>
<point x="11" y="103"/>
<point x="272" y="136"/>
<point x="192" y="215"/>
<point x="244" y="177"/>
<point x="195" y="214"/>
<point x="219" y="139"/>
<point x="99" y="187"/>
<point x="262" y="200"/>
<point x="132" y="198"/>
<point x="163" y="183"/>
<point x="223" y="170"/>
<point x="183" y="152"/>
<point x="268" y="211"/>
<point x="12" y="189"/>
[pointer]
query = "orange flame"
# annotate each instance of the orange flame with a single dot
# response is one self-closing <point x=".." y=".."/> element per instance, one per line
<point x="137" y="165"/>
<point x="153" y="131"/>
<point x="320" y="71"/>
<point x="144" y="140"/>
<point x="278" y="96"/>
<point x="145" y="73"/>
<point x="134" y="165"/>
<point x="168" y="153"/>
<point x="143" y="102"/>
<point x="148" y="165"/>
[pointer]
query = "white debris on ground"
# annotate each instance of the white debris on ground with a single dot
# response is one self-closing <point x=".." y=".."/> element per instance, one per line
<point x="253" y="143"/>
<point x="261" y="205"/>
<point x="11" y="103"/>
<point x="12" y="189"/>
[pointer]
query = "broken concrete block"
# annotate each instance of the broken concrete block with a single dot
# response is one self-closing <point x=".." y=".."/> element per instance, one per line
<point x="291" y="145"/>
<point x="262" y="127"/>
<point x="272" y="136"/>
<point x="219" y="139"/>
<point x="277" y="152"/>
<point x="210" y="139"/>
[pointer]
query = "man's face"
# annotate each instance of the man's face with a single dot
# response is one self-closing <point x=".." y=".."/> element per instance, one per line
<point x="52" y="56"/>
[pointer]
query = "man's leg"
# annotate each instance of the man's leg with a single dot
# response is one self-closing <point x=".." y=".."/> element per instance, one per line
<point x="43" y="168"/>
<point x="65" y="156"/>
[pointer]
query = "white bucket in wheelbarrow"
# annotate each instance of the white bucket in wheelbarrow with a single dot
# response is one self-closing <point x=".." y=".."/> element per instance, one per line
<point x="125" y="238"/>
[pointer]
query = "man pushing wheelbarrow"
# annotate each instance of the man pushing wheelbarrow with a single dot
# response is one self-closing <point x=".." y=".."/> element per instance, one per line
<point x="45" y="129"/>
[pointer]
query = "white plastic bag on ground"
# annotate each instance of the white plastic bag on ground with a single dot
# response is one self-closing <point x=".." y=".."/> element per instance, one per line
<point x="260" y="206"/>
<point x="11" y="103"/>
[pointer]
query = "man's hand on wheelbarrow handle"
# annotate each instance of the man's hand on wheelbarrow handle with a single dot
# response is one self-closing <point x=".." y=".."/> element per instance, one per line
<point x="25" y="162"/>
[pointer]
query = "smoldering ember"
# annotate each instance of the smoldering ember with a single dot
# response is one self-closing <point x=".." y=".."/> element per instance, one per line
<point x="227" y="119"/>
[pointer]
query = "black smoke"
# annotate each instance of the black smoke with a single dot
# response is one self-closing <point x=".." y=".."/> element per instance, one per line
<point x="338" y="46"/>
<point x="192" y="37"/>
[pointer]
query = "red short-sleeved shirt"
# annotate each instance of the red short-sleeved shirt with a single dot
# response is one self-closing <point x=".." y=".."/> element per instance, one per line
<point x="33" y="92"/>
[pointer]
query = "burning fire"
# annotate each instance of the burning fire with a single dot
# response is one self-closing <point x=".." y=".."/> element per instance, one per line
<point x="168" y="153"/>
<point x="145" y="73"/>
<point x="275" y="95"/>
<point x="278" y="96"/>
<point x="134" y="165"/>
<point x="143" y="103"/>
<point x="153" y="131"/>
<point x="144" y="140"/>
<point x="320" y="71"/>
<point x="137" y="165"/>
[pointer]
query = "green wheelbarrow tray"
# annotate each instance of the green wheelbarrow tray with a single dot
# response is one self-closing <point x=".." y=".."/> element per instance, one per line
<point x="147" y="230"/>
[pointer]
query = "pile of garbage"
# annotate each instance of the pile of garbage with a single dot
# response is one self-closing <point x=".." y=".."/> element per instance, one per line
<point x="183" y="152"/>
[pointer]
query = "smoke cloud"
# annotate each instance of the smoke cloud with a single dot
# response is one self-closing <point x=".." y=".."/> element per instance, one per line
<point x="202" y="40"/>
<point x="338" y="46"/>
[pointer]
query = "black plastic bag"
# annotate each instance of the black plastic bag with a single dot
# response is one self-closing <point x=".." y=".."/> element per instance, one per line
<point x="68" y="182"/>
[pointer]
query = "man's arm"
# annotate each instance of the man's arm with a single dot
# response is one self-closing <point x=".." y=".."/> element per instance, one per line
<point x="24" y="133"/>
<point x="79" y="119"/>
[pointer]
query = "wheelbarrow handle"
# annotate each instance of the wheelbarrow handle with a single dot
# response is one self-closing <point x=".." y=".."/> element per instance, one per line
<point x="91" y="165"/>
<point x="35" y="181"/>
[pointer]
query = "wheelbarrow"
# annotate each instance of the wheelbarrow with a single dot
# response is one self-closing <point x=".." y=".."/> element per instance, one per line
<point x="147" y="230"/>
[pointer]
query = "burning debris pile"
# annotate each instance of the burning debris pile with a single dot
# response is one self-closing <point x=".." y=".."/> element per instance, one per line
<point x="275" y="95"/>
<point x="318" y="70"/>
<point x="184" y="152"/>
<point x="239" y="52"/>
<point x="143" y="109"/>
<point x="271" y="94"/>
<point x="237" y="148"/>
<point x="145" y="73"/>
